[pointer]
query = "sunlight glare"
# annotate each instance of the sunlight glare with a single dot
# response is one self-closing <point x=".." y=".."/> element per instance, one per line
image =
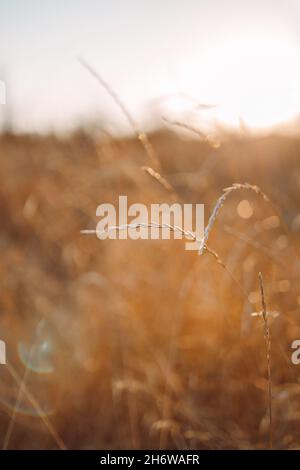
<point x="254" y="78"/>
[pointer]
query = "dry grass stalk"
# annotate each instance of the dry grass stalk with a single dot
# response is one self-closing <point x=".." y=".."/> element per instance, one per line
<point x="141" y="136"/>
<point x="207" y="138"/>
<point x="173" y="228"/>
<point x="158" y="177"/>
<point x="218" y="259"/>
<point x="267" y="335"/>
<point x="16" y="407"/>
<point x="22" y="386"/>
<point x="220" y="202"/>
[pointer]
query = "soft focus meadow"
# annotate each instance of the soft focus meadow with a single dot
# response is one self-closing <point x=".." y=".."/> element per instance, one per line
<point x="142" y="344"/>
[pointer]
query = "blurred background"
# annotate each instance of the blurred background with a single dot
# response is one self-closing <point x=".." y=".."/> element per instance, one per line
<point x="162" y="57"/>
<point x="141" y="344"/>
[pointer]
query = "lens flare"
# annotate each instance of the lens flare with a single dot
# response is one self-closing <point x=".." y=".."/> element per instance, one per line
<point x="37" y="356"/>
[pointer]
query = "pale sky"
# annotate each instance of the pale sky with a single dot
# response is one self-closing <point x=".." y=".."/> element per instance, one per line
<point x="243" y="56"/>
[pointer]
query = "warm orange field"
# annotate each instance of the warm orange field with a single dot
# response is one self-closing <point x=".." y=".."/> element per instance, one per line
<point x="142" y="344"/>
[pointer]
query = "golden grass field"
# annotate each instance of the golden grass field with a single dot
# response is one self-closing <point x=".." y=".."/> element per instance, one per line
<point x="142" y="344"/>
